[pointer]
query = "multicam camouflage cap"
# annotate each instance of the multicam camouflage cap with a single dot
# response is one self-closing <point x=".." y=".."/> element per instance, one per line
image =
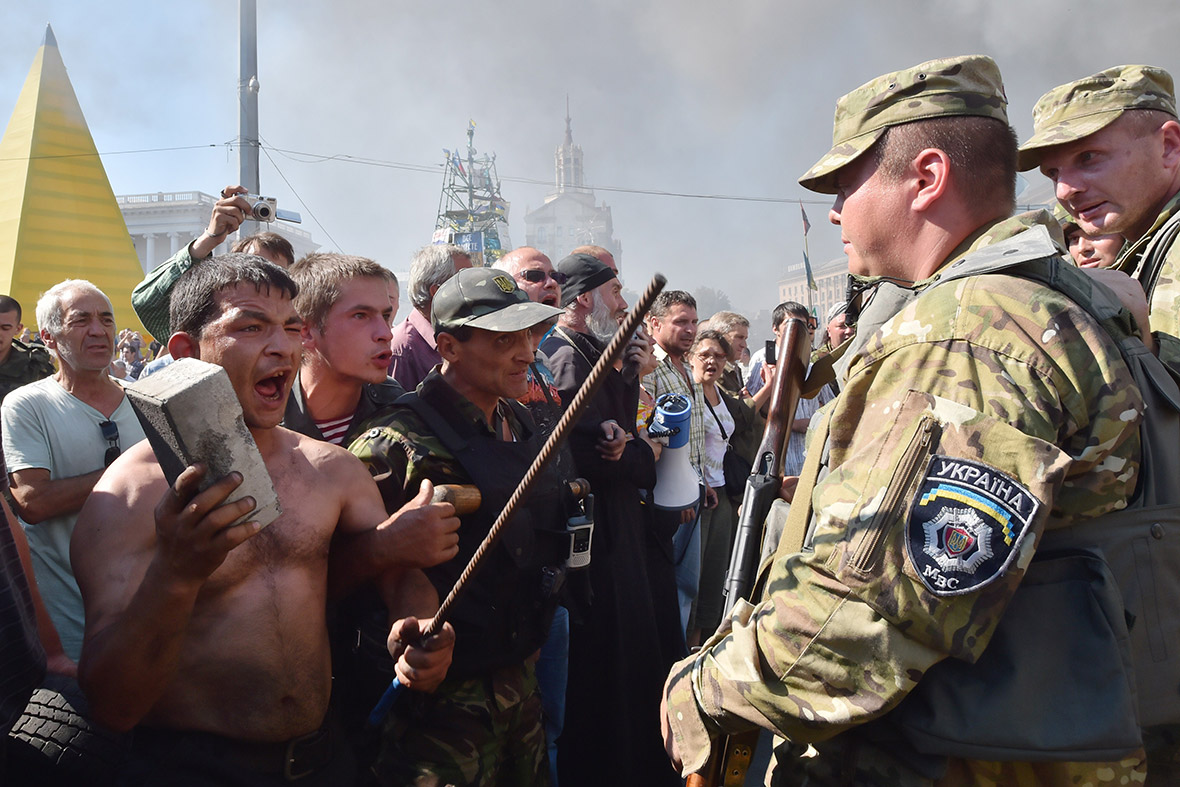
<point x="486" y="298"/>
<point x="1080" y="108"/>
<point x="966" y="85"/>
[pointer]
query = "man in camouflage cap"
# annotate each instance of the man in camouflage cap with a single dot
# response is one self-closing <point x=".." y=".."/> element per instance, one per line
<point x="463" y="425"/>
<point x="1111" y="145"/>
<point x="977" y="411"/>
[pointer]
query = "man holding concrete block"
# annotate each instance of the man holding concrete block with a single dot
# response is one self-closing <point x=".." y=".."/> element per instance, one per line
<point x="212" y="637"/>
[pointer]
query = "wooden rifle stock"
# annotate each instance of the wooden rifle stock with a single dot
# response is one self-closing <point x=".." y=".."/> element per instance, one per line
<point x="729" y="765"/>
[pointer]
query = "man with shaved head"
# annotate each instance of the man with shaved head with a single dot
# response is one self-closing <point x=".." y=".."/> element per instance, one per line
<point x="534" y="273"/>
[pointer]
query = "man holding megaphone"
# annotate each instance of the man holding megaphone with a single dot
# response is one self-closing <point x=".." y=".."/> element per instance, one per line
<point x="673" y="324"/>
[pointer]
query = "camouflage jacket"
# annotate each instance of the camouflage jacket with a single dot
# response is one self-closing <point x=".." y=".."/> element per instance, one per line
<point x="26" y="363"/>
<point x="400" y="451"/>
<point x="995" y="377"/>
<point x="1164" y="291"/>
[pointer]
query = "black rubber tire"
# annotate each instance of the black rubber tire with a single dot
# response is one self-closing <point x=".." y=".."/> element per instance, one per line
<point x="54" y="743"/>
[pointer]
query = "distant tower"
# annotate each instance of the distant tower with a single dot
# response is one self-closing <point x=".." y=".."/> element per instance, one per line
<point x="569" y="218"/>
<point x="567" y="159"/>
<point x="471" y="212"/>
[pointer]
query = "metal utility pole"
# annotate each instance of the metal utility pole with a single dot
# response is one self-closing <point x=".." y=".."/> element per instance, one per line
<point x="248" y="102"/>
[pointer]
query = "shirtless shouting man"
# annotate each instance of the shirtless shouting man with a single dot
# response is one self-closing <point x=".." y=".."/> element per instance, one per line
<point x="211" y="638"/>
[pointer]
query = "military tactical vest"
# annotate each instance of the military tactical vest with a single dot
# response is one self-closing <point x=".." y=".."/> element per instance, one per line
<point x="503" y="616"/>
<point x="1092" y="624"/>
<point x="1088" y="650"/>
<point x="1148" y="268"/>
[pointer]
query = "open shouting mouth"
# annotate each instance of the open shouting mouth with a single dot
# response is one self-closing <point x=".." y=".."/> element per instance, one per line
<point x="273" y="387"/>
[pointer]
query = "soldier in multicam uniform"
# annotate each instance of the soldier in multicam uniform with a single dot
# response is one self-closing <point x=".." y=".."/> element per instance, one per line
<point x="1111" y="145"/>
<point x="463" y="425"/>
<point x="981" y="412"/>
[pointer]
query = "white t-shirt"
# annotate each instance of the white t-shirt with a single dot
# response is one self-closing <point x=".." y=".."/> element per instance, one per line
<point x="47" y="427"/>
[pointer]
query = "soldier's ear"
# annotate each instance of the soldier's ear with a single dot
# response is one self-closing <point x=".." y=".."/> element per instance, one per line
<point x="446" y="345"/>
<point x="929" y="176"/>
<point x="183" y="345"/>
<point x="1170" y="137"/>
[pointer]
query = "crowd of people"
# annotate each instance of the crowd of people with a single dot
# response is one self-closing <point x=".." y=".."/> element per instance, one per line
<point x="972" y="525"/>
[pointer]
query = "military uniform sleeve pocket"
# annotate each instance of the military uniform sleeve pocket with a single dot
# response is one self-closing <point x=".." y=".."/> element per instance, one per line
<point x="949" y="502"/>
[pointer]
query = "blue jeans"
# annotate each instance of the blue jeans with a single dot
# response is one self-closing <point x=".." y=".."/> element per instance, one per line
<point x="686" y="549"/>
<point x="552" y="676"/>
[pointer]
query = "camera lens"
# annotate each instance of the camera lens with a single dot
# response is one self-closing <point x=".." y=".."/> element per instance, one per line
<point x="261" y="211"/>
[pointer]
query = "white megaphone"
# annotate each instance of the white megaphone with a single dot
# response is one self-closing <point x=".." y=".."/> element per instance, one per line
<point x="677" y="484"/>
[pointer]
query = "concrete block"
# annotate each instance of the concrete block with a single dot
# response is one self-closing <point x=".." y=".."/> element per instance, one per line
<point x="191" y="414"/>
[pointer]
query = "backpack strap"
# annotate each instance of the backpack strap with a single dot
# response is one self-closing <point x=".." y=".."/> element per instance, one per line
<point x="1148" y="269"/>
<point x="434" y="421"/>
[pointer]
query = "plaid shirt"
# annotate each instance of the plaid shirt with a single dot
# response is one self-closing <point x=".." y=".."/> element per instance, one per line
<point x="667" y="379"/>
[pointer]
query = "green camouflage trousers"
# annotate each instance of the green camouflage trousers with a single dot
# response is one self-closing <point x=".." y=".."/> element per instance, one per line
<point x="483" y="732"/>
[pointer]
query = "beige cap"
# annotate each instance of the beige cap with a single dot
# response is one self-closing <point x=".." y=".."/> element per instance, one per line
<point x="1078" y="109"/>
<point x="966" y="85"/>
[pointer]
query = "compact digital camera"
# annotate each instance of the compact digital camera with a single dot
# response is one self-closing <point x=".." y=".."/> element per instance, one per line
<point x="262" y="208"/>
<point x="267" y="209"/>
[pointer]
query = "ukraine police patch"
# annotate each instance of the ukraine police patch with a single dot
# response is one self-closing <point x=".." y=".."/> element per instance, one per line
<point x="966" y="524"/>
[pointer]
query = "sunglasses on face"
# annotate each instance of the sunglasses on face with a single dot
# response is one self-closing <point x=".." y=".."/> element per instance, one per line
<point x="110" y="433"/>
<point x="537" y="276"/>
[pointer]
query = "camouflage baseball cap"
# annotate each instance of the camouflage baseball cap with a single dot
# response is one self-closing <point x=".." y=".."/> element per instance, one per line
<point x="1080" y="108"/>
<point x="967" y="85"/>
<point x="486" y="298"/>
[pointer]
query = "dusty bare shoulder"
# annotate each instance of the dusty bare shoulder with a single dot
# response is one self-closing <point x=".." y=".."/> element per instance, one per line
<point x="335" y="475"/>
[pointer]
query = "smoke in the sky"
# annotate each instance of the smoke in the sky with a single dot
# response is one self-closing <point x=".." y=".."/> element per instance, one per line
<point x="686" y="96"/>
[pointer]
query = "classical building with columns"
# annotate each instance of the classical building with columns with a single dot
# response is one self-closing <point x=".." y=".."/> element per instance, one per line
<point x="569" y="216"/>
<point x="831" y="281"/>
<point x="164" y="222"/>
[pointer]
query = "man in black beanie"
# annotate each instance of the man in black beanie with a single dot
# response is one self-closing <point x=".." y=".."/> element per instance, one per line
<point x="617" y="652"/>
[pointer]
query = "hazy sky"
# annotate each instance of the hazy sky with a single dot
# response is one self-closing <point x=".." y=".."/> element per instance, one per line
<point x="688" y="96"/>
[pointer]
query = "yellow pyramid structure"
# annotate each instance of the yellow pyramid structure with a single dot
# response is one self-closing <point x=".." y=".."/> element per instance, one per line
<point x="58" y="215"/>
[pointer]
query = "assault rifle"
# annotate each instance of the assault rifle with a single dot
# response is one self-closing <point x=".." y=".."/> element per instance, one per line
<point x="728" y="767"/>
